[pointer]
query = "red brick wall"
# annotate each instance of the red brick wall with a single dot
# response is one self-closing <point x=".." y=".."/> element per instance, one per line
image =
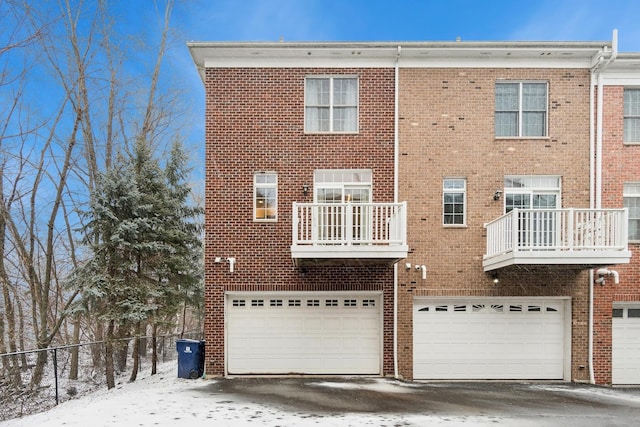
<point x="620" y="164"/>
<point x="255" y="122"/>
<point x="447" y="130"/>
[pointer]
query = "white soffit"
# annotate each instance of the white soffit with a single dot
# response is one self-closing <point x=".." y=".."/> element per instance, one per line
<point x="623" y="71"/>
<point x="408" y="54"/>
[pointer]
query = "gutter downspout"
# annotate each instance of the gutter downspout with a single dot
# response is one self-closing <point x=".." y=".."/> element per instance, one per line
<point x="396" y="165"/>
<point x="598" y="68"/>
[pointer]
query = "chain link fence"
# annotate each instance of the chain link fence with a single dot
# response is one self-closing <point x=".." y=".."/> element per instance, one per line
<point x="62" y="382"/>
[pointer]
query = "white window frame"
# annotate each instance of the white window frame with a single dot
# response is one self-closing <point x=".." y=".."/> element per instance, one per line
<point x="266" y="185"/>
<point x="534" y="185"/>
<point x="627" y="117"/>
<point x="632" y="190"/>
<point x="331" y="106"/>
<point x="521" y="111"/>
<point x="454" y="190"/>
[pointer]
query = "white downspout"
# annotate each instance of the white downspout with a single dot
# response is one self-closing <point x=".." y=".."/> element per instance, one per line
<point x="396" y="165"/>
<point x="598" y="68"/>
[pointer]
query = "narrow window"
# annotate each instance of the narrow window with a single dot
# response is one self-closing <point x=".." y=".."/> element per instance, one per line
<point x="521" y="109"/>
<point x="632" y="115"/>
<point x="453" y="201"/>
<point x="331" y="104"/>
<point x="631" y="195"/>
<point x="265" y="196"/>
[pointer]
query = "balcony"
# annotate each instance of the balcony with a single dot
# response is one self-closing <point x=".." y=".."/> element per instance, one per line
<point x="349" y="233"/>
<point x="580" y="238"/>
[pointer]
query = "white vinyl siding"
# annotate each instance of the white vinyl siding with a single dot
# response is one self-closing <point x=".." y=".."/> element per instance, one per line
<point x="632" y="115"/>
<point x="331" y="105"/>
<point x="521" y="109"/>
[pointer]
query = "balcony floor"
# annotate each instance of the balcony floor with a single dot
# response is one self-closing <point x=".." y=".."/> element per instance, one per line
<point x="569" y="259"/>
<point x="348" y="254"/>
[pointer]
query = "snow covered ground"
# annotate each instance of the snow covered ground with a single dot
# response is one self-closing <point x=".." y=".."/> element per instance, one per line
<point x="165" y="400"/>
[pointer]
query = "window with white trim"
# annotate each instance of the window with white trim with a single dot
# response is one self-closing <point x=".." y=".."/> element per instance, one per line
<point x="265" y="197"/>
<point x="454" y="200"/>
<point x="632" y="115"/>
<point x="537" y="196"/>
<point x="331" y="105"/>
<point x="531" y="192"/>
<point x="521" y="109"/>
<point x="631" y="195"/>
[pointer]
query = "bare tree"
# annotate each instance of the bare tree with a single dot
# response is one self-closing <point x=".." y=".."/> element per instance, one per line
<point x="51" y="156"/>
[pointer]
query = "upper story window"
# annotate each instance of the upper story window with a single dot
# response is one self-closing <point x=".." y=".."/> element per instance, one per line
<point x="631" y="194"/>
<point x="331" y="105"/>
<point x="521" y="109"/>
<point x="632" y="115"/>
<point x="531" y="192"/>
<point x="453" y="201"/>
<point x="265" y="197"/>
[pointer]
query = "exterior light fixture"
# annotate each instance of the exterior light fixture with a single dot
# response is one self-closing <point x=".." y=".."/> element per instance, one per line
<point x="497" y="194"/>
<point x="494" y="278"/>
<point x="305" y="189"/>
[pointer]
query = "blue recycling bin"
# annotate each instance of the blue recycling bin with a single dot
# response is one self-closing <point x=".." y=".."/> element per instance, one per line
<point x="190" y="358"/>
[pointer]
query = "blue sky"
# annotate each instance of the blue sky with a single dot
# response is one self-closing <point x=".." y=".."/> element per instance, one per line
<point x="345" y="20"/>
<point x="387" y="20"/>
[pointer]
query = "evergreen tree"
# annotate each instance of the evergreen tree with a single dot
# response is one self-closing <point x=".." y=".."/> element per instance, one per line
<point x="145" y="243"/>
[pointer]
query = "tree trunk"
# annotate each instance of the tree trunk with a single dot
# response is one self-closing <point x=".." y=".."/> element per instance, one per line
<point x="136" y="354"/>
<point x="73" y="370"/>
<point x="154" y="351"/>
<point x="96" y="350"/>
<point x="108" y="356"/>
<point x="121" y="347"/>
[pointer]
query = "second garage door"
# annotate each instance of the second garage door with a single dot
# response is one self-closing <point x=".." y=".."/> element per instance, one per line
<point x="626" y="343"/>
<point x="489" y="338"/>
<point x="304" y="333"/>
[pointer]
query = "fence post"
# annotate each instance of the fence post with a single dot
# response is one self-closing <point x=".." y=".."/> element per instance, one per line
<point x="55" y="372"/>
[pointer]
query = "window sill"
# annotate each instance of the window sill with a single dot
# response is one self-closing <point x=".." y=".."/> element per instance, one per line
<point x="454" y="226"/>
<point x="632" y="143"/>
<point x="265" y="221"/>
<point x="525" y="138"/>
<point x="332" y="133"/>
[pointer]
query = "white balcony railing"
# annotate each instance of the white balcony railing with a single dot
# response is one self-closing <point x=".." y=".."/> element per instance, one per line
<point x="349" y="224"/>
<point x="559" y="233"/>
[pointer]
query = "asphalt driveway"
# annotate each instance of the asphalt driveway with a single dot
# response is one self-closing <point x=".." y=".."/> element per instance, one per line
<point x="513" y="403"/>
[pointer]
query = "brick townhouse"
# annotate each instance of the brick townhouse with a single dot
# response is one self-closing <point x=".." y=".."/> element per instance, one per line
<point x="617" y="305"/>
<point x="418" y="210"/>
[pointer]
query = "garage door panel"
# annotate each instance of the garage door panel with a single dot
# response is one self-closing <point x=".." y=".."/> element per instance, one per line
<point x="625" y="349"/>
<point x="488" y="339"/>
<point x="308" y="333"/>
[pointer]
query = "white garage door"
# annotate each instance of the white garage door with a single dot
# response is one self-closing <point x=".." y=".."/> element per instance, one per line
<point x="304" y="333"/>
<point x="495" y="338"/>
<point x="625" y="349"/>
